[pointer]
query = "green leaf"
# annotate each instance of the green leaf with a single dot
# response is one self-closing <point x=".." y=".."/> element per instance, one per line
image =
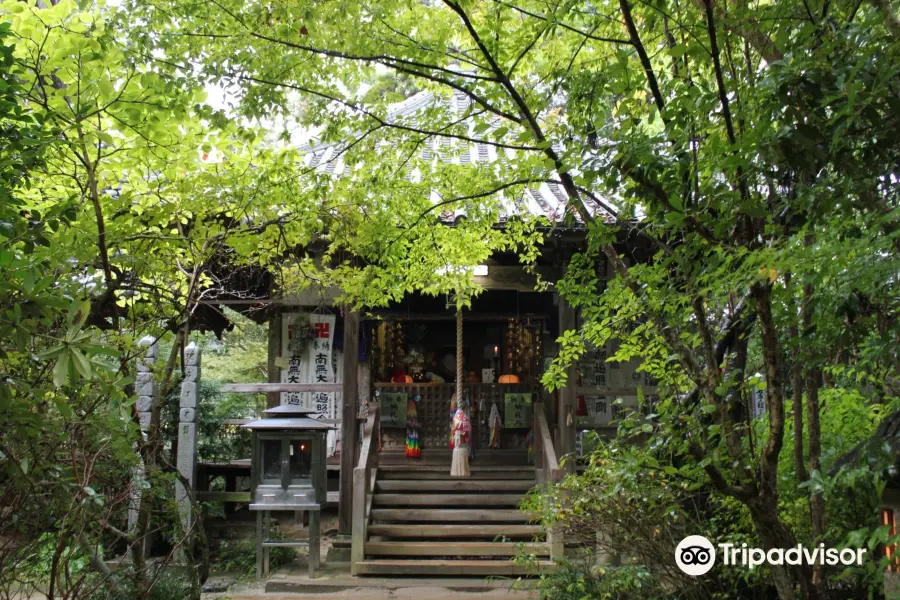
<point x="82" y="364"/>
<point x="62" y="406"/>
<point x="61" y="370"/>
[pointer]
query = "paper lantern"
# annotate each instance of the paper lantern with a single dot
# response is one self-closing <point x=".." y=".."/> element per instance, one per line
<point x="508" y="379"/>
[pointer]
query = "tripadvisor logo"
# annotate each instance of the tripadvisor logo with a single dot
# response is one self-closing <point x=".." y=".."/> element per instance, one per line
<point x="695" y="556"/>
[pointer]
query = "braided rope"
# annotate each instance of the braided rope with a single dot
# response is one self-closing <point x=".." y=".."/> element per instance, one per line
<point x="459" y="357"/>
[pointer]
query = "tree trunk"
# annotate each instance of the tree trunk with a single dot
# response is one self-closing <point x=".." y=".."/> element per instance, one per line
<point x="796" y="387"/>
<point x="150" y="454"/>
<point x="813" y="382"/>
<point x="774" y="534"/>
<point x="764" y="507"/>
<point x="816" y="501"/>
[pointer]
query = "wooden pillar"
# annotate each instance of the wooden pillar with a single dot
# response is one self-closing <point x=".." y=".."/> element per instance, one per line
<point x="274" y="373"/>
<point x="349" y="428"/>
<point x="565" y="418"/>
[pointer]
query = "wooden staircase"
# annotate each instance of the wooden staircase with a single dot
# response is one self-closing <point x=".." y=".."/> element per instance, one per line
<point x="412" y="518"/>
<point x="423" y="522"/>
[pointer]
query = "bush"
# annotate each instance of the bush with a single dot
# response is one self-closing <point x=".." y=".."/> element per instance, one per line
<point x="171" y="584"/>
<point x="578" y="580"/>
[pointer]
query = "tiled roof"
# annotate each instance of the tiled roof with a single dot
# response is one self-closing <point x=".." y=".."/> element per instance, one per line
<point x="547" y="199"/>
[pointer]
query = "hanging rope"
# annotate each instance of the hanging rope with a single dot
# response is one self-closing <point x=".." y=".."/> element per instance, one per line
<point x="459" y="357"/>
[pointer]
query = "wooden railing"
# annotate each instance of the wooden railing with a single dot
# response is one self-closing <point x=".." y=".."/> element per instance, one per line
<point x="547" y="471"/>
<point x="364" y="486"/>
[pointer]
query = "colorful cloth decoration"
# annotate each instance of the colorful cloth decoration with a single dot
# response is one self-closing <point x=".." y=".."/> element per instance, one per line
<point x="461" y="429"/>
<point x="413" y="450"/>
<point x="495" y="423"/>
<point x="452" y="414"/>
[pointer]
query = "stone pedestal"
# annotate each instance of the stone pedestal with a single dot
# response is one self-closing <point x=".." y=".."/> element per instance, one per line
<point x="186" y="461"/>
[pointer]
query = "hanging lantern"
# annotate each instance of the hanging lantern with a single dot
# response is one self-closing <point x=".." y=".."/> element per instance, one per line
<point x="508" y="379"/>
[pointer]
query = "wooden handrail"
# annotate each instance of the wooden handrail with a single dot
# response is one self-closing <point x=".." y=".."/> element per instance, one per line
<point x="545" y="455"/>
<point x="364" y="485"/>
<point x="547" y="471"/>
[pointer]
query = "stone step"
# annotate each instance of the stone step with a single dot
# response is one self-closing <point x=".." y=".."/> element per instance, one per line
<point x="414" y="467"/>
<point x="443" y="474"/>
<point x="450" y="500"/>
<point x="451" y="567"/>
<point x="444" y="532"/>
<point x="395" y="548"/>
<point x="454" y="485"/>
<point x="441" y="515"/>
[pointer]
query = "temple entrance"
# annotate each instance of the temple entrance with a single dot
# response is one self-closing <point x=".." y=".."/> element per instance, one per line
<point x="507" y="442"/>
<point x="496" y="349"/>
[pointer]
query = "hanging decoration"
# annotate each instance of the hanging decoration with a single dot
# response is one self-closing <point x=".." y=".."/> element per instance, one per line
<point x="395" y="352"/>
<point x="524" y="350"/>
<point x="416" y="362"/>
<point x="462" y="427"/>
<point x="377" y="353"/>
<point x="413" y="449"/>
<point x="399" y="344"/>
<point x="512" y="348"/>
<point x="495" y="423"/>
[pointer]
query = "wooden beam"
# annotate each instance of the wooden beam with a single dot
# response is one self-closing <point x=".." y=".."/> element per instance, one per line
<point x="513" y="278"/>
<point x="274" y="373"/>
<point x="349" y="428"/>
<point x="256" y="388"/>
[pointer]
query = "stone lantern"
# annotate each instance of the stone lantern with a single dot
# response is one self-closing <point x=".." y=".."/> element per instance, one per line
<point x="287" y="473"/>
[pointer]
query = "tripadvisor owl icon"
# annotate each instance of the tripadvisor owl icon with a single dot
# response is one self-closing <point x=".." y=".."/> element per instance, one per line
<point x="695" y="555"/>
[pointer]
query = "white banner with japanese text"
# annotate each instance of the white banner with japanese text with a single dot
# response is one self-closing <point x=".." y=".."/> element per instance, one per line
<point x="307" y="344"/>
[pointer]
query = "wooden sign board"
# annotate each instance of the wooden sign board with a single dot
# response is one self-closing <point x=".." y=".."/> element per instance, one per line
<point x="517" y="411"/>
<point x="393" y="409"/>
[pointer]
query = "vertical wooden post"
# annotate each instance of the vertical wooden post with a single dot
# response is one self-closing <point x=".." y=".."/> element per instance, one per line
<point x="274" y="375"/>
<point x="565" y="440"/>
<point x="365" y="393"/>
<point x="539" y="462"/>
<point x="349" y="428"/>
